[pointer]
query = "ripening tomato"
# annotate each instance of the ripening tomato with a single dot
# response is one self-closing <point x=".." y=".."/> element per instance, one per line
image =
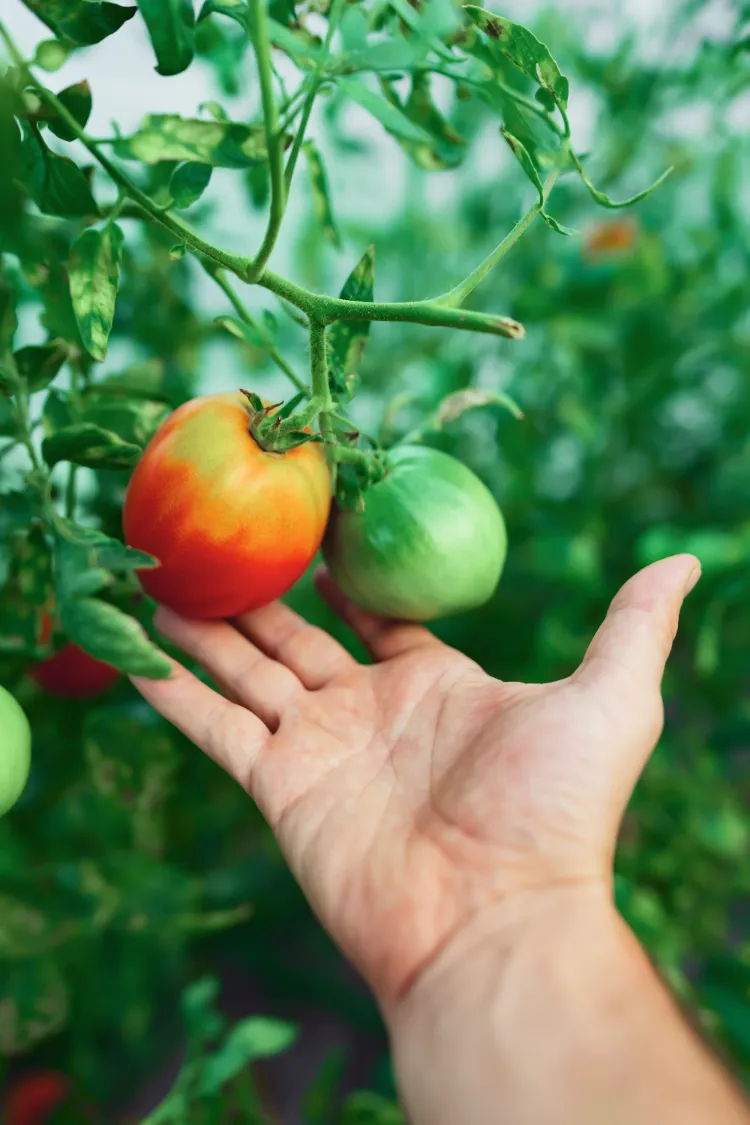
<point x="431" y="540"/>
<point x="15" y="750"/>
<point x="71" y="673"/>
<point x="232" y="525"/>
<point x="611" y="236"/>
<point x="32" y="1098"/>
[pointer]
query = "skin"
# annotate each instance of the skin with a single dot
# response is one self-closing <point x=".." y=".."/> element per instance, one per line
<point x="232" y="526"/>
<point x="455" y="835"/>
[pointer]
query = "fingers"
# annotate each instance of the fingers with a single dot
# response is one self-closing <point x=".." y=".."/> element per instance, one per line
<point x="630" y="649"/>
<point x="238" y="667"/>
<point x="313" y="655"/>
<point x="230" y="735"/>
<point x="384" y="639"/>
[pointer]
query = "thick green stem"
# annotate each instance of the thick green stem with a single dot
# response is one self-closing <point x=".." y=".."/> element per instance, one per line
<point x="274" y="138"/>
<point x="317" y="78"/>
<point x="455" y="297"/>
<point x="221" y="280"/>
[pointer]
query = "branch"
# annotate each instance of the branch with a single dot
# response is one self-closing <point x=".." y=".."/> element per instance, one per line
<point x="456" y="296"/>
<point x="221" y="280"/>
<point x="315" y="83"/>
<point x="274" y="138"/>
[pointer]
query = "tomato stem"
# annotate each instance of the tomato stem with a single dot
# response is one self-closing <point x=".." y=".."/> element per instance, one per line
<point x="274" y="137"/>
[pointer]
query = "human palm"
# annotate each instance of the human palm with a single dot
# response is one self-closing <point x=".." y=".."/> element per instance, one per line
<point x="412" y="795"/>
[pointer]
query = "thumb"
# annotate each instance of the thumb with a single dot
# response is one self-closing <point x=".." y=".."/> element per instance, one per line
<point x="629" y="651"/>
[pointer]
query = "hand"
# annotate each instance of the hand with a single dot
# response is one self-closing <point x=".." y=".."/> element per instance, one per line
<point x="414" y="795"/>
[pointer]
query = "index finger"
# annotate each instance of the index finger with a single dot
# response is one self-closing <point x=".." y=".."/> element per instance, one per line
<point x="229" y="734"/>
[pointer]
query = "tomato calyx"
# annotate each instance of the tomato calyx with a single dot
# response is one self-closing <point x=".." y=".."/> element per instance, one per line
<point x="274" y="427"/>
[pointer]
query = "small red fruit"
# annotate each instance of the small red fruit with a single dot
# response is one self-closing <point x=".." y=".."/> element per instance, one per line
<point x="33" y="1097"/>
<point x="71" y="673"/>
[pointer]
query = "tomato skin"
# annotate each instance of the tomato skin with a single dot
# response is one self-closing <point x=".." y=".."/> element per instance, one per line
<point x="430" y="542"/>
<point x="72" y="674"/>
<point x="15" y="750"/>
<point x="233" y="526"/>
<point x="32" y="1098"/>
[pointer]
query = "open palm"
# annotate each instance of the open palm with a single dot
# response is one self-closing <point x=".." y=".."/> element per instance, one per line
<point x="413" y="794"/>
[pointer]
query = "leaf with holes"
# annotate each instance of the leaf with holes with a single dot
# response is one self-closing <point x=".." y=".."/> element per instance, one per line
<point x="524" y="50"/>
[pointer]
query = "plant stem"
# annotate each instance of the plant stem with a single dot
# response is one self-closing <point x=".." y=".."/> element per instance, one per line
<point x="274" y="139"/>
<point x="455" y="297"/>
<point x="317" y="78"/>
<point x="220" y="278"/>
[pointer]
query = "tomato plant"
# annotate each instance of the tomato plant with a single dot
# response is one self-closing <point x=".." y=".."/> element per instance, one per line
<point x="428" y="541"/>
<point x="146" y="264"/>
<point x="233" y="525"/>
<point x="15" y="759"/>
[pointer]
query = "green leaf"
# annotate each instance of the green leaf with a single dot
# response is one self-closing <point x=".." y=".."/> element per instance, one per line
<point x="365" y="1108"/>
<point x="187" y="184"/>
<point x="102" y="551"/>
<point x="555" y="225"/>
<point x="108" y="634"/>
<point x="446" y="148"/>
<point x="36" y="1004"/>
<point x="522" y="156"/>
<point x="524" y="50"/>
<point x="603" y="199"/>
<point x="77" y="101"/>
<point x="56" y="184"/>
<point x="94" y="280"/>
<point x="393" y="119"/>
<point x="86" y="444"/>
<point x="7" y="421"/>
<point x="50" y="54"/>
<point x="347" y="338"/>
<point x="258" y="1037"/>
<point x="321" y="197"/>
<point x="79" y="23"/>
<point x="235" y="9"/>
<point x="134" y="421"/>
<point x="171" y="28"/>
<point x="40" y="363"/>
<point x="224" y="144"/>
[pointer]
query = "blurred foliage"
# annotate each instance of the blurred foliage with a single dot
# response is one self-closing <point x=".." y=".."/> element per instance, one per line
<point x="132" y="865"/>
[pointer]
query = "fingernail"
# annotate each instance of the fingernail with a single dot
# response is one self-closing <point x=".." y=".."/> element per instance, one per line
<point x="692" y="579"/>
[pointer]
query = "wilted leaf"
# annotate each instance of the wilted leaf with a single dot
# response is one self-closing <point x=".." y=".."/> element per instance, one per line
<point x="603" y="199"/>
<point x="94" y="280"/>
<point x="524" y="50"/>
<point x="171" y="28"/>
<point x="224" y="144"/>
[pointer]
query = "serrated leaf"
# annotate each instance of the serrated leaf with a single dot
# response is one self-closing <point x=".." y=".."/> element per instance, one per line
<point x="86" y="444"/>
<point x="80" y="23"/>
<point x="603" y="199"/>
<point x="187" y="184"/>
<point x="108" y="634"/>
<point x="77" y="101"/>
<point x="38" y="364"/>
<point x="393" y="119"/>
<point x="524" y="50"/>
<point x="521" y="154"/>
<point x="94" y="281"/>
<point x="223" y="144"/>
<point x="171" y="29"/>
<point x="347" y="338"/>
<point x="321" y="197"/>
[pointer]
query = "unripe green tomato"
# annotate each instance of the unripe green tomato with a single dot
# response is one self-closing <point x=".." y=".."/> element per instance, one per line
<point x="431" y="540"/>
<point x="15" y="751"/>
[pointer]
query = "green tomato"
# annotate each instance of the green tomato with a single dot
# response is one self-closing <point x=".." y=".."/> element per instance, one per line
<point x="431" y="540"/>
<point x="15" y="751"/>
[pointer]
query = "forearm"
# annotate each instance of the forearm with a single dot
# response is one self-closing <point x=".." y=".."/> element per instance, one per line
<point x="557" y="1019"/>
